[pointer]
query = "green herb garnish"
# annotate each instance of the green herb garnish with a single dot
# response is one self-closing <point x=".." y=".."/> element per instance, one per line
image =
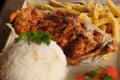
<point x="93" y="74"/>
<point x="100" y="68"/>
<point x="107" y="77"/>
<point x="36" y="37"/>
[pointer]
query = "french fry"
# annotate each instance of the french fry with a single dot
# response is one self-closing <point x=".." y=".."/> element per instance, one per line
<point x="84" y="17"/>
<point x="54" y="3"/>
<point x="68" y="6"/>
<point x="113" y="8"/>
<point x="100" y="8"/>
<point x="118" y="19"/>
<point x="31" y="4"/>
<point x="71" y="11"/>
<point x="95" y="13"/>
<point x="115" y="27"/>
<point x="46" y="7"/>
<point x="89" y="14"/>
<point x="103" y="14"/>
<point x="90" y="5"/>
<point x="102" y="21"/>
<point x="91" y="2"/>
<point x="103" y="28"/>
<point x="78" y="7"/>
<point x="74" y="12"/>
<point x="102" y="11"/>
<point x="40" y="6"/>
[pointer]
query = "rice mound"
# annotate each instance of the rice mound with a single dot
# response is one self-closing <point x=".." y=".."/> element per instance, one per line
<point x="23" y="61"/>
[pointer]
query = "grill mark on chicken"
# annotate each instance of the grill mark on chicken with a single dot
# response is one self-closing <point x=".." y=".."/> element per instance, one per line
<point x="79" y="47"/>
<point x="71" y="35"/>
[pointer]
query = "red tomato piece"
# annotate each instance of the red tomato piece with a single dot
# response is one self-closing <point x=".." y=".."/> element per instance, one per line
<point x="98" y="78"/>
<point x="83" y="77"/>
<point x="107" y="70"/>
<point x="111" y="71"/>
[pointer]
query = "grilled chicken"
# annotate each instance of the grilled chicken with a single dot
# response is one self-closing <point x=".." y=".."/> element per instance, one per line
<point x="71" y="35"/>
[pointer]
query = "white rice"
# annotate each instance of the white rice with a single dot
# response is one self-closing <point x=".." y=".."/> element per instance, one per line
<point x="23" y="61"/>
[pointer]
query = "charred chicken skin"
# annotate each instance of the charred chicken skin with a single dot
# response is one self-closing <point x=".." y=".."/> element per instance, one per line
<point x="71" y="35"/>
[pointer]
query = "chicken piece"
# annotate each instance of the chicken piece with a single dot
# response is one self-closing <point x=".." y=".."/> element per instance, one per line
<point x="98" y="51"/>
<point x="64" y="28"/>
<point x="87" y="45"/>
<point x="84" y="44"/>
<point x="13" y="15"/>
<point x="101" y="50"/>
<point x="25" y="19"/>
<point x="81" y="45"/>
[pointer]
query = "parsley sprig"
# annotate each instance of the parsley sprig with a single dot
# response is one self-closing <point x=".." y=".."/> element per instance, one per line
<point x="93" y="74"/>
<point x="36" y="37"/>
<point x="107" y="77"/>
<point x="96" y="73"/>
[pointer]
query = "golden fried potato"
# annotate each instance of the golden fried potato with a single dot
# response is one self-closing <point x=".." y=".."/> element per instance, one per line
<point x="115" y="27"/>
<point x="113" y="8"/>
<point x="78" y="7"/>
<point x="102" y="21"/>
<point x="40" y="6"/>
<point x="103" y="28"/>
<point x="54" y="3"/>
<point x="95" y="13"/>
<point x="84" y="17"/>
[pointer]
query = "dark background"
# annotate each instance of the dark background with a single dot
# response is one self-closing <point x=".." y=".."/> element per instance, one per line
<point x="1" y="3"/>
<point x="6" y="8"/>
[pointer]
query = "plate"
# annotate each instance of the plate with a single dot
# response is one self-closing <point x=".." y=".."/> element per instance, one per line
<point x="82" y="67"/>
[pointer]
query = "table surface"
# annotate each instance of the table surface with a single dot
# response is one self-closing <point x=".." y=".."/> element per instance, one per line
<point x="8" y="7"/>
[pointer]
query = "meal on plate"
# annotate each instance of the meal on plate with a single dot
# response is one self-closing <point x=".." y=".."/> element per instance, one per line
<point x="53" y="36"/>
<point x="78" y="40"/>
<point x="102" y="73"/>
<point x="33" y="56"/>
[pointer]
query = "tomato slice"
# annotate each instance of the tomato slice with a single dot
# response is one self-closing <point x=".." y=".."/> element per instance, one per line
<point x="111" y="71"/>
<point x="107" y="70"/>
<point x="83" y="77"/>
<point x="98" y="78"/>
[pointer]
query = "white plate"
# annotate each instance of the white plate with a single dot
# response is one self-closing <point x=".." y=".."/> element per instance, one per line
<point x="75" y="71"/>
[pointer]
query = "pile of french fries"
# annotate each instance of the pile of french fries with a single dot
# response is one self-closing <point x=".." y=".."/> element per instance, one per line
<point x="107" y="19"/>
